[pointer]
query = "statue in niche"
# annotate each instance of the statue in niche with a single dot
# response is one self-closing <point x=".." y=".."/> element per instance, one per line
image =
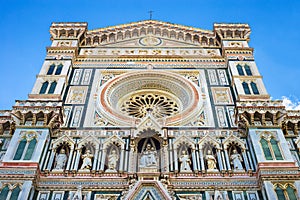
<point x="60" y="160"/>
<point x="236" y="161"/>
<point x="112" y="161"/>
<point x="210" y="161"/>
<point x="148" y="158"/>
<point x="185" y="160"/>
<point x="87" y="160"/>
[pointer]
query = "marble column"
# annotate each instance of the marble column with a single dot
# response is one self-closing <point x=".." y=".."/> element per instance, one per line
<point x="75" y="168"/>
<point x="194" y="161"/>
<point x="297" y="185"/>
<point x="50" y="163"/>
<point x="121" y="163"/>
<point x="171" y="161"/>
<point x="245" y="160"/>
<point x="70" y="159"/>
<point x="227" y="160"/>
<point x="269" y="188"/>
<point x="95" y="160"/>
<point x="220" y="160"/>
<point x="103" y="160"/>
<point x="202" y="160"/>
<point x="175" y="161"/>
<point x="26" y="187"/>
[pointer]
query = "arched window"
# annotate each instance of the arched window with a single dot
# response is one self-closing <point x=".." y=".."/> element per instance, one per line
<point x="271" y="149"/>
<point x="246" y="88"/>
<point x="51" y="69"/>
<point x="280" y="193"/>
<point x="291" y="193"/>
<point x="240" y="70"/>
<point x="59" y="69"/>
<point x="15" y="193"/>
<point x="266" y="149"/>
<point x="44" y="87"/>
<point x="254" y="88"/>
<point x="248" y="70"/>
<point x="4" y="192"/>
<point x="276" y="149"/>
<point x="30" y="149"/>
<point x="20" y="149"/>
<point x="52" y="87"/>
<point x="285" y="193"/>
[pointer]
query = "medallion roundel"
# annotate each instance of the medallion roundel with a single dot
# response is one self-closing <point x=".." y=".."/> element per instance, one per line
<point x="150" y="40"/>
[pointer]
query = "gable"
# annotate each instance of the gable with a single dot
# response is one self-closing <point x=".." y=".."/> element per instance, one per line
<point x="149" y="33"/>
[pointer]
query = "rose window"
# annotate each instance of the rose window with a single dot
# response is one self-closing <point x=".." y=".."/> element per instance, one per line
<point x="157" y="105"/>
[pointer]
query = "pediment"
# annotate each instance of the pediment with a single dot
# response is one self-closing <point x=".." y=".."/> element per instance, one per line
<point x="148" y="190"/>
<point x="149" y="33"/>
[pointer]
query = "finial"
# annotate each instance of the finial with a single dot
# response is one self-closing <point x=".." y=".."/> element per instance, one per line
<point x="150" y="12"/>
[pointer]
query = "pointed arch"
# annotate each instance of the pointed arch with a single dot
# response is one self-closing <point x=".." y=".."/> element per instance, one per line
<point x="44" y="87"/>
<point x="15" y="193"/>
<point x="89" y="142"/>
<point x="51" y="69"/>
<point x="246" y="88"/>
<point x="52" y="87"/>
<point x="233" y="140"/>
<point x="4" y="192"/>
<point x="240" y="70"/>
<point x="184" y="140"/>
<point x="30" y="149"/>
<point x="254" y="88"/>
<point x="208" y="140"/>
<point x="59" y="69"/>
<point x="63" y="140"/>
<point x="248" y="70"/>
<point x="114" y="139"/>
<point x="266" y="149"/>
<point x="20" y="149"/>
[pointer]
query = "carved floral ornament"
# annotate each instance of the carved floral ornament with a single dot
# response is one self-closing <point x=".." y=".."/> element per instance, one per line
<point x="133" y="95"/>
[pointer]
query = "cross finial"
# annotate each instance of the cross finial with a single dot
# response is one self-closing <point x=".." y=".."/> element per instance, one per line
<point x="150" y="12"/>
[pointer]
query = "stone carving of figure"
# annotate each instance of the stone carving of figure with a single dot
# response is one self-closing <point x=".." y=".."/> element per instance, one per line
<point x="236" y="160"/>
<point x="60" y="160"/>
<point x="185" y="162"/>
<point x="148" y="158"/>
<point x="112" y="161"/>
<point x="211" y="161"/>
<point x="87" y="160"/>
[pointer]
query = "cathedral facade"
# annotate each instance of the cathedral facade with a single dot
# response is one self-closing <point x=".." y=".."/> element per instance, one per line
<point x="149" y="110"/>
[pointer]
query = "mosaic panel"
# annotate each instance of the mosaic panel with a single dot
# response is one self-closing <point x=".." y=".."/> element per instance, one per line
<point x="77" y="95"/>
<point x="230" y="112"/>
<point x="213" y="80"/>
<point x="222" y="77"/>
<point x="76" y="76"/>
<point x="221" y="95"/>
<point x="76" y="116"/>
<point x="67" y="114"/>
<point x="86" y="77"/>
<point x="221" y="117"/>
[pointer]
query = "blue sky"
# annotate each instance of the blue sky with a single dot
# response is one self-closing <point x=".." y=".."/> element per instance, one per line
<point x="24" y="29"/>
